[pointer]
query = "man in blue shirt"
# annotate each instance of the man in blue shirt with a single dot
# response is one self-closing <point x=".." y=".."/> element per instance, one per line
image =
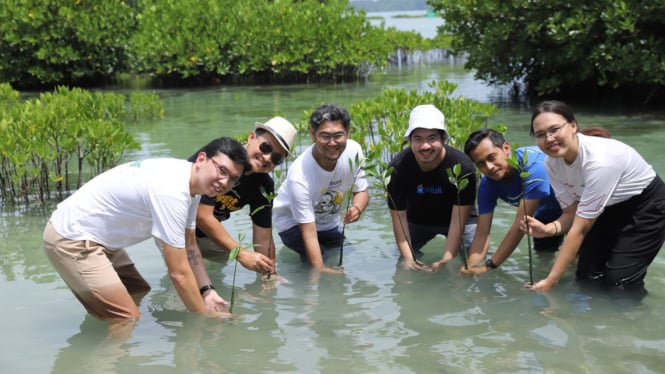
<point x="489" y="152"/>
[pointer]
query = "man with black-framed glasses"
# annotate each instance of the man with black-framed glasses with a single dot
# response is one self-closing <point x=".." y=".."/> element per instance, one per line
<point x="267" y="147"/>
<point x="310" y="201"/>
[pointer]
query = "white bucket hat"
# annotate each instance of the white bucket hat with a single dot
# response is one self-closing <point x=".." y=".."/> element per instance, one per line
<point x="425" y="116"/>
<point x="282" y="130"/>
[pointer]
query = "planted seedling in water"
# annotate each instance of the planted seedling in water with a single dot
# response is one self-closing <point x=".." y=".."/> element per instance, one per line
<point x="356" y="164"/>
<point x="233" y="256"/>
<point x="381" y="171"/>
<point x="520" y="166"/>
<point x="460" y="182"/>
<point x="270" y="197"/>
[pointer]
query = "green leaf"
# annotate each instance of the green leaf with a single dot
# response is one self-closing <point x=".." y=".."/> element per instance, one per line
<point x="234" y="253"/>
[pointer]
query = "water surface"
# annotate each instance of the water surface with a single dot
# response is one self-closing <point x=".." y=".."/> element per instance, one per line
<point x="375" y="318"/>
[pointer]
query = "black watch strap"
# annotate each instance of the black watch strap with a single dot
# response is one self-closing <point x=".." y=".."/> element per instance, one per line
<point x="205" y="288"/>
<point x="490" y="264"/>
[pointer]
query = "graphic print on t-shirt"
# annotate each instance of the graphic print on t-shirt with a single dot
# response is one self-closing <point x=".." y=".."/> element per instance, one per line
<point x="329" y="203"/>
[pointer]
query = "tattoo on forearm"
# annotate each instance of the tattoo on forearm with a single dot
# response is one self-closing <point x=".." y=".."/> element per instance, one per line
<point x="192" y="257"/>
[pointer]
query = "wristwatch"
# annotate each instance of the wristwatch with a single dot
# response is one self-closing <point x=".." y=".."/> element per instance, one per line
<point x="490" y="264"/>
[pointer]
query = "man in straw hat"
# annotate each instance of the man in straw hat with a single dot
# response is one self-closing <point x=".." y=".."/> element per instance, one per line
<point x="267" y="147"/>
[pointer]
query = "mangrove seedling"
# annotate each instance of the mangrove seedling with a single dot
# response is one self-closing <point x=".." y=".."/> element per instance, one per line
<point x="233" y="256"/>
<point x="520" y="167"/>
<point x="356" y="164"/>
<point x="380" y="170"/>
<point x="460" y="182"/>
<point x="270" y="197"/>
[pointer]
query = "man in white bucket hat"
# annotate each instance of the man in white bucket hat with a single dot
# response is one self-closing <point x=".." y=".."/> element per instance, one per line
<point x="423" y="202"/>
<point x="267" y="147"/>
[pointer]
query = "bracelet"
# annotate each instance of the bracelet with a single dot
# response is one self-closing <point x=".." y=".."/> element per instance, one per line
<point x="556" y="228"/>
<point x="205" y="288"/>
<point x="359" y="210"/>
<point x="490" y="264"/>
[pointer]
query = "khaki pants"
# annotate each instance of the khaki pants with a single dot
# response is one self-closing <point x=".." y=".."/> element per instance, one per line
<point x="101" y="279"/>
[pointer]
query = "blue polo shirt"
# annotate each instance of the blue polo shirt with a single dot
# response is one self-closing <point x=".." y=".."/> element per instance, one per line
<point x="536" y="186"/>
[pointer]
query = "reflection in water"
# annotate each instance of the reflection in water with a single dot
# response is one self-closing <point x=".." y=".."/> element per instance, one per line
<point x="95" y="349"/>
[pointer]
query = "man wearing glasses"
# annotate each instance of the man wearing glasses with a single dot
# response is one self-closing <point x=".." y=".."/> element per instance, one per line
<point x="267" y="147"/>
<point x="308" y="204"/>
<point x="87" y="235"/>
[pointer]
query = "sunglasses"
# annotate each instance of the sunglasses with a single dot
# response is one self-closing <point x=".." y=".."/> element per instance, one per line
<point x="275" y="157"/>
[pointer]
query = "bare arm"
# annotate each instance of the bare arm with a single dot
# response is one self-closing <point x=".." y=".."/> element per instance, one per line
<point x="358" y="206"/>
<point x="211" y="298"/>
<point x="514" y="234"/>
<point x="480" y="243"/>
<point x="403" y="238"/>
<point x="313" y="248"/>
<point x="567" y="252"/>
<point x="402" y="235"/>
<point x="556" y="227"/>
<point x="206" y="222"/>
<point x="263" y="242"/>
<point x="183" y="278"/>
<point x="455" y="234"/>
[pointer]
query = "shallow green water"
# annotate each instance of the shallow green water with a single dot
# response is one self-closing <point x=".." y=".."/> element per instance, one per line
<point x="375" y="318"/>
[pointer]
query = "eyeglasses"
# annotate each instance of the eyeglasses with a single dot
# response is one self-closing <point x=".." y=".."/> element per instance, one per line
<point x="326" y="137"/>
<point x="434" y="138"/>
<point x="275" y="157"/>
<point x="224" y="173"/>
<point x="541" y="136"/>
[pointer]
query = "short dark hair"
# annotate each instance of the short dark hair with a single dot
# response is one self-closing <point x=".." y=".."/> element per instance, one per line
<point x="479" y="135"/>
<point x="231" y="148"/>
<point x="329" y="112"/>
<point x="553" y="106"/>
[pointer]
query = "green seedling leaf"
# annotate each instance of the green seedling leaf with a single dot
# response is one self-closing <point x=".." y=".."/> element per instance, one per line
<point x="234" y="253"/>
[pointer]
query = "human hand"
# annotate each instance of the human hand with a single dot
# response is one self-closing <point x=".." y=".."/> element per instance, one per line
<point x="214" y="302"/>
<point x="536" y="228"/>
<point x="270" y="281"/>
<point x="334" y="270"/>
<point x="414" y="265"/>
<point x="256" y="261"/>
<point x="315" y="272"/>
<point x="474" y="269"/>
<point x="438" y="265"/>
<point x="352" y="214"/>
<point x="219" y="314"/>
<point x="542" y="285"/>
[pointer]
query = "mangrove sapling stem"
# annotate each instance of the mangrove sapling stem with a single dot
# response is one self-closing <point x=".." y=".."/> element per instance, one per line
<point x="519" y="165"/>
<point x="528" y="242"/>
<point x="270" y="197"/>
<point x="408" y="241"/>
<point x="353" y="164"/>
<point x="460" y="183"/>
<point x="385" y="180"/>
<point x="233" y="256"/>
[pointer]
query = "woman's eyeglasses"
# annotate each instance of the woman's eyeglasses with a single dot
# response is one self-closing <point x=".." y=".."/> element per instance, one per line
<point x="541" y="136"/>
<point x="275" y="157"/>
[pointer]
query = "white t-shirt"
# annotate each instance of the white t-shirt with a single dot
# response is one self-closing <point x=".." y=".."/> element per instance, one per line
<point x="130" y="203"/>
<point x="606" y="172"/>
<point x="312" y="194"/>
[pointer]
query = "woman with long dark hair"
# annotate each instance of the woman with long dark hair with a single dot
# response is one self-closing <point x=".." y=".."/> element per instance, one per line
<point x="613" y="203"/>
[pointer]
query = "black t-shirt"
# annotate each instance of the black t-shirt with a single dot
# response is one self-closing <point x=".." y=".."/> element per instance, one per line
<point x="428" y="197"/>
<point x="249" y="191"/>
